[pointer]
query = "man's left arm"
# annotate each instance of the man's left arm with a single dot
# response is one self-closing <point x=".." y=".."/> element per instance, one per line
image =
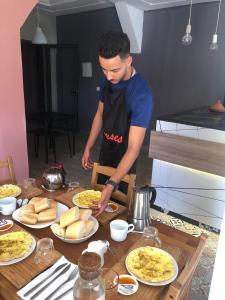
<point x="135" y="141"/>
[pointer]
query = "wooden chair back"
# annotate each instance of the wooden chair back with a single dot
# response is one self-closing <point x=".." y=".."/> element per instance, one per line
<point x="109" y="171"/>
<point x="8" y="164"/>
<point x="179" y="289"/>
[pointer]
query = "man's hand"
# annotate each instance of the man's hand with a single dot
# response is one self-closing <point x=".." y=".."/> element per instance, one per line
<point x="87" y="162"/>
<point x="102" y="204"/>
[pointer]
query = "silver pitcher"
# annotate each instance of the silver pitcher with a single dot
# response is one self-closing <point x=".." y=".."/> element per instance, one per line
<point x="139" y="207"/>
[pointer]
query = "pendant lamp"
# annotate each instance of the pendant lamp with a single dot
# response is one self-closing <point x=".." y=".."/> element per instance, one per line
<point x="214" y="44"/>
<point x="39" y="36"/>
<point x="187" y="38"/>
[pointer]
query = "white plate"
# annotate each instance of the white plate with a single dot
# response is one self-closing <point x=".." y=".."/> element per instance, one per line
<point x="60" y="209"/>
<point x="74" y="200"/>
<point x="96" y="225"/>
<point x="160" y="283"/>
<point x="16" y="193"/>
<point x="16" y="260"/>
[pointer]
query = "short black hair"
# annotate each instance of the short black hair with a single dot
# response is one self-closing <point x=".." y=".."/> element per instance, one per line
<point x="113" y="43"/>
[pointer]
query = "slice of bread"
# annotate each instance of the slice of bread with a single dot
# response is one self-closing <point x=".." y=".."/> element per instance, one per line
<point x="76" y="230"/>
<point x="35" y="200"/>
<point x="53" y="203"/>
<point x="29" y="218"/>
<point x="29" y="208"/>
<point x="70" y="216"/>
<point x="47" y="215"/>
<point x="89" y="224"/>
<point x="85" y="214"/>
<point x="42" y="204"/>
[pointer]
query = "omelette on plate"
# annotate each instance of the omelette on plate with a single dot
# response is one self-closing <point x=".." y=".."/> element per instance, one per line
<point x="87" y="198"/>
<point x="150" y="264"/>
<point x="14" y="245"/>
<point x="9" y="190"/>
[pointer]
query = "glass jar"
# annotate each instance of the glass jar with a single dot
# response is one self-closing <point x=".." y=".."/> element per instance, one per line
<point x="151" y="237"/>
<point x="89" y="284"/>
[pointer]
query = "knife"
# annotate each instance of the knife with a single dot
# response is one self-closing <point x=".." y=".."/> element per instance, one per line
<point x="63" y="294"/>
<point x="40" y="283"/>
<point x="50" y="282"/>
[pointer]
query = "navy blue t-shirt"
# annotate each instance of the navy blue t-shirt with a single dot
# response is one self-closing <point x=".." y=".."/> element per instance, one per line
<point x="139" y="99"/>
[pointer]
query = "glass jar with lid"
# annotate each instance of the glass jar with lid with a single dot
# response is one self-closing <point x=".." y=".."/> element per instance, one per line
<point x="89" y="284"/>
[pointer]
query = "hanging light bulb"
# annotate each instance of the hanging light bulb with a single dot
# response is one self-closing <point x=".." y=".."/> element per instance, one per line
<point x="214" y="44"/>
<point x="187" y="38"/>
<point x="39" y="36"/>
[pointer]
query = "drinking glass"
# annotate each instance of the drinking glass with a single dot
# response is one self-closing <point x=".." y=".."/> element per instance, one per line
<point x="73" y="185"/>
<point x="44" y="250"/>
<point x="111" y="280"/>
<point x="28" y="183"/>
<point x="151" y="237"/>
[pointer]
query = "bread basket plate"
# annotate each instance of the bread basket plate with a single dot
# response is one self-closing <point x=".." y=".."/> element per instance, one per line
<point x="9" y="190"/>
<point x="80" y="198"/>
<point x="60" y="209"/>
<point x="77" y="241"/>
<point x="149" y="282"/>
<point x="16" y="260"/>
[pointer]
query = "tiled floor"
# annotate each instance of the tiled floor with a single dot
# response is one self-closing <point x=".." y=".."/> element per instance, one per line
<point x="203" y="274"/>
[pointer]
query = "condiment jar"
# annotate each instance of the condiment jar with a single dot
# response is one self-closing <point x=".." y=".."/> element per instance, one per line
<point x="89" y="284"/>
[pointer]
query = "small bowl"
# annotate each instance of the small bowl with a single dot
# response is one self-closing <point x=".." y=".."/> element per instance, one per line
<point x="128" y="285"/>
<point x="111" y="208"/>
<point x="5" y="225"/>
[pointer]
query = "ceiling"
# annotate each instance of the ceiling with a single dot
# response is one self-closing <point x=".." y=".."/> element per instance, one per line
<point x="63" y="7"/>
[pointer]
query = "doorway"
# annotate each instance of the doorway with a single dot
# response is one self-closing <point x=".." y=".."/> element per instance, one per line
<point x="50" y="74"/>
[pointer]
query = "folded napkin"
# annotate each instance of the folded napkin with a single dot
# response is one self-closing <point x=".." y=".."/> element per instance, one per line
<point x="54" y="285"/>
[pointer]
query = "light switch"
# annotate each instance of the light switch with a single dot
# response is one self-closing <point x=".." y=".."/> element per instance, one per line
<point x="87" y="69"/>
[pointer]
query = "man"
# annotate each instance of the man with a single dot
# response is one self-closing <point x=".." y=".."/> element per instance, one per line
<point x="123" y="113"/>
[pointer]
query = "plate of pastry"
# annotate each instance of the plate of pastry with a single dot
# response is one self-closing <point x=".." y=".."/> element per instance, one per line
<point x="15" y="246"/>
<point x="76" y="225"/>
<point x="39" y="212"/>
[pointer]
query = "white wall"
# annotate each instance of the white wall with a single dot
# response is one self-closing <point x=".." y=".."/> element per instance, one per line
<point x="47" y="23"/>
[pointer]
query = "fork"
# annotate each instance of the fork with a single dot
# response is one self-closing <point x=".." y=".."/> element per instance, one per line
<point x="71" y="276"/>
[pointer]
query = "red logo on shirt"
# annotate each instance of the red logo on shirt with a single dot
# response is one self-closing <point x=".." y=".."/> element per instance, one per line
<point x="114" y="138"/>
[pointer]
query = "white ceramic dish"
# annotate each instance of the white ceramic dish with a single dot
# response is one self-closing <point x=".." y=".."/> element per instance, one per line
<point x="160" y="283"/>
<point x="60" y="209"/>
<point x="16" y="193"/>
<point x="16" y="260"/>
<point x="5" y="225"/>
<point x="71" y="241"/>
<point x="122" y="287"/>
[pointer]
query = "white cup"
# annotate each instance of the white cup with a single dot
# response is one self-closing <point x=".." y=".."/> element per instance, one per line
<point x="7" y="205"/>
<point x="119" y="230"/>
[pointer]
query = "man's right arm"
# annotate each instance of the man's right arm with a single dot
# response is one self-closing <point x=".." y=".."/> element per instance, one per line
<point x="95" y="130"/>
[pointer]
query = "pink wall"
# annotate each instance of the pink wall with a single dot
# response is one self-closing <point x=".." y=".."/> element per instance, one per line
<point x="13" y="142"/>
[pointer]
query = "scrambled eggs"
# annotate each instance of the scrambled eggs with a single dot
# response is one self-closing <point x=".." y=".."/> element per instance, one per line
<point x="150" y="264"/>
<point x="9" y="190"/>
<point x="14" y="245"/>
<point x="87" y="198"/>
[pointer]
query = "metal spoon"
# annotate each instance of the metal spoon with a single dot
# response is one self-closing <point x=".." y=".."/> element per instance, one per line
<point x="109" y="248"/>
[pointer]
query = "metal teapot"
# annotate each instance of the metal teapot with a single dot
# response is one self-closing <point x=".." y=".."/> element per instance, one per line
<point x="54" y="177"/>
<point x="139" y="207"/>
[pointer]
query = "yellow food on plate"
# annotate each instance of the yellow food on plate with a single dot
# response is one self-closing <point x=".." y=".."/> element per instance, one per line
<point x="87" y="198"/>
<point x="150" y="264"/>
<point x="9" y="190"/>
<point x="14" y="245"/>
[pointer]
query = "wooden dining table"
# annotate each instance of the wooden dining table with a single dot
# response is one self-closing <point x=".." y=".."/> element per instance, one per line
<point x="179" y="244"/>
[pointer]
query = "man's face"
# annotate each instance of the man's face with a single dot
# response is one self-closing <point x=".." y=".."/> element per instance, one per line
<point x="116" y="69"/>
